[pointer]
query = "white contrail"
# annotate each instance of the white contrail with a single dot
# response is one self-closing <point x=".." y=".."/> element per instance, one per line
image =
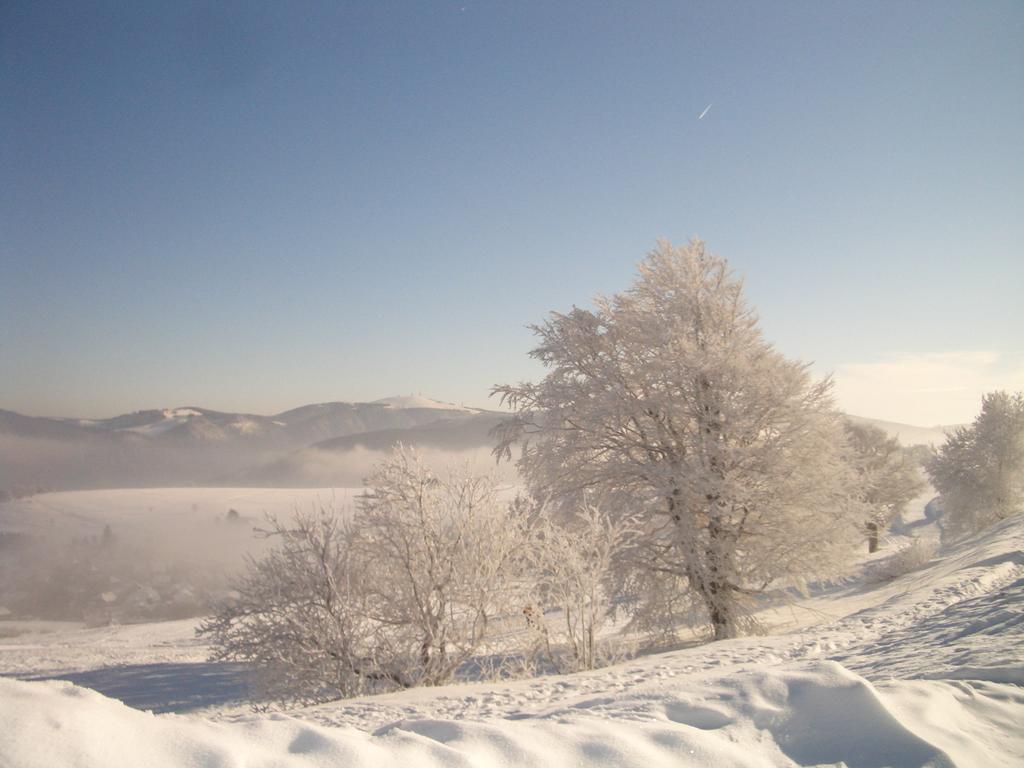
<point x="701" y="116"/>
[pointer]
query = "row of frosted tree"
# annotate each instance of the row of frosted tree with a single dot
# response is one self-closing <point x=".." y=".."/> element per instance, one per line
<point x="677" y="469"/>
<point x="979" y="471"/>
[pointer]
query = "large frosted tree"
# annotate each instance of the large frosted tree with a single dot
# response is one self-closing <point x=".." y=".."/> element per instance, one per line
<point x="666" y="402"/>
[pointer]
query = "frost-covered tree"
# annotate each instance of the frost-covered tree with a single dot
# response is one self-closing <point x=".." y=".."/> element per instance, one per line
<point x="300" y="616"/>
<point x="887" y="476"/>
<point x="979" y="471"/>
<point x="666" y="404"/>
<point x="438" y="554"/>
<point x="399" y="594"/>
<point x="569" y="564"/>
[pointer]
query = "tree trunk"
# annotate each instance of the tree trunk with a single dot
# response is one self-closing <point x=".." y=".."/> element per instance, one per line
<point x="715" y="589"/>
<point x="721" y="608"/>
<point x="711" y="583"/>
<point x="872" y="537"/>
<point x="723" y="618"/>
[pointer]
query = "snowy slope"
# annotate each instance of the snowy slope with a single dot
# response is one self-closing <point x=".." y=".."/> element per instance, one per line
<point x="921" y="670"/>
<point x="908" y="434"/>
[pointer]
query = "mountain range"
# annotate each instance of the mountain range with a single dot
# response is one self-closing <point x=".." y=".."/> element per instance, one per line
<point x="319" y="445"/>
<point x="198" y="446"/>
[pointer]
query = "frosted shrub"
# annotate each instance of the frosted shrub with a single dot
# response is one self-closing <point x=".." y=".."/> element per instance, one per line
<point x="911" y="558"/>
<point x="300" y="617"/>
<point x="438" y="554"/>
<point x="571" y="565"/>
<point x="401" y="594"/>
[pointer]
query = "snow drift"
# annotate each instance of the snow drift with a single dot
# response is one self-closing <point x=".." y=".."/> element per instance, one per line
<point x="809" y="715"/>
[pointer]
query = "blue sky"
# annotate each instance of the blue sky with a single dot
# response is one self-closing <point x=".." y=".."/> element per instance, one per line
<point x="251" y="207"/>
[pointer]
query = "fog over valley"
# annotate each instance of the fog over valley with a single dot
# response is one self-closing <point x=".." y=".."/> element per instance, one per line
<point x="326" y="444"/>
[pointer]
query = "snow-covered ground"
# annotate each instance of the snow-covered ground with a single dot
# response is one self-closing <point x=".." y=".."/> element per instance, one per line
<point x="922" y="670"/>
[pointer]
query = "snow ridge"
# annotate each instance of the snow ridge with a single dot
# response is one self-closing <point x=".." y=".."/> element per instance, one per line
<point x="418" y="401"/>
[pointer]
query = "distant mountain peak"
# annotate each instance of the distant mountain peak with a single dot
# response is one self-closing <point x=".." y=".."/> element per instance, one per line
<point x="418" y="401"/>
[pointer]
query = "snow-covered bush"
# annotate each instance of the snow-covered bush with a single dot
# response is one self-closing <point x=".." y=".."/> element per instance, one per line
<point x="399" y="594"/>
<point x="911" y="558"/>
<point x="571" y="564"/>
<point x="299" y="615"/>
<point x="438" y="555"/>
<point x="667" y="406"/>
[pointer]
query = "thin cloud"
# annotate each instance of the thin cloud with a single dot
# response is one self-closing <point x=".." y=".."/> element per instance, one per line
<point x="926" y="389"/>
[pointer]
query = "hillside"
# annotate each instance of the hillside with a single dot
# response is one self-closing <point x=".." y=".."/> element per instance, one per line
<point x="922" y="670"/>
<point x="907" y="434"/>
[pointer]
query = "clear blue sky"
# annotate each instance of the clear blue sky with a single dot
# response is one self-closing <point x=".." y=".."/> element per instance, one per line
<point x="251" y="207"/>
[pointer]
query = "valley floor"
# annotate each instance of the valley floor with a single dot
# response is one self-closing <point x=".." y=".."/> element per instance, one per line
<point x="925" y="669"/>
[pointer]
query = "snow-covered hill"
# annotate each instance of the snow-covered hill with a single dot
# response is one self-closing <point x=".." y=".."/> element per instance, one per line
<point x="923" y="670"/>
<point x="908" y="434"/>
<point x="418" y="401"/>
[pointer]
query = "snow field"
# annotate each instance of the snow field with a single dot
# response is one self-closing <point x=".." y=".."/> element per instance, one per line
<point x="922" y="670"/>
<point x="91" y="510"/>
